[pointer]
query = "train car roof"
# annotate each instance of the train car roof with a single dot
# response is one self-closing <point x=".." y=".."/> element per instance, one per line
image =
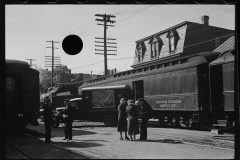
<point x="106" y="87"/>
<point x="17" y="63"/>
<point x="225" y="57"/>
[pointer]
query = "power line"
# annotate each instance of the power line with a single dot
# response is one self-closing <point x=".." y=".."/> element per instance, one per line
<point x="87" y="65"/>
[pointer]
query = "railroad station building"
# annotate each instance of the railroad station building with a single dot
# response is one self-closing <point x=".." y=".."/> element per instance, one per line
<point x="184" y="39"/>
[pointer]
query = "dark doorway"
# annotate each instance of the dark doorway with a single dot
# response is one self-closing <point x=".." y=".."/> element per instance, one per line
<point x="138" y="89"/>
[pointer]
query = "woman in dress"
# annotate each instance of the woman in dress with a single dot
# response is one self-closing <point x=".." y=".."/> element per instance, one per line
<point x="122" y="119"/>
<point x="133" y="127"/>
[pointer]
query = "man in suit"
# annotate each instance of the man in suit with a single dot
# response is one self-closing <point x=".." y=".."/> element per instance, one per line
<point x="47" y="119"/>
<point x="68" y="116"/>
<point x="144" y="119"/>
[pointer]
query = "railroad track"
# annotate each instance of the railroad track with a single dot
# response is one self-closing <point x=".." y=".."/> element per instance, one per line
<point x="227" y="144"/>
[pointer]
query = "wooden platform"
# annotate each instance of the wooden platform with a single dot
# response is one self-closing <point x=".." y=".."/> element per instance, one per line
<point x="35" y="148"/>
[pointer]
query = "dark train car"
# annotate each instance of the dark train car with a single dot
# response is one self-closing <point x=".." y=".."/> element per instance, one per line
<point x="221" y="73"/>
<point x="101" y="103"/>
<point x="177" y="90"/>
<point x="22" y="94"/>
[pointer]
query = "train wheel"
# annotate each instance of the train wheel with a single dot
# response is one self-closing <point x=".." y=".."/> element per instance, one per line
<point x="189" y="123"/>
<point x="55" y="122"/>
<point x="182" y="122"/>
<point x="166" y="122"/>
<point x="109" y="120"/>
<point x="176" y="121"/>
<point x="42" y="118"/>
<point x="161" y="121"/>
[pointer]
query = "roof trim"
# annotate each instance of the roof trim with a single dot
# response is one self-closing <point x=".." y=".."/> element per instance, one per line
<point x="106" y="87"/>
<point x="166" y="30"/>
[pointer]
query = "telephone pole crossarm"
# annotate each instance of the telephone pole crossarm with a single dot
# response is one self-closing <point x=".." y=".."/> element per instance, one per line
<point x="52" y="57"/>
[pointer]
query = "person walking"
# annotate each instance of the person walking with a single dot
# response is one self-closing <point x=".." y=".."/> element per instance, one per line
<point x="122" y="119"/>
<point x="68" y="117"/>
<point x="133" y="128"/>
<point x="144" y="119"/>
<point x="47" y="119"/>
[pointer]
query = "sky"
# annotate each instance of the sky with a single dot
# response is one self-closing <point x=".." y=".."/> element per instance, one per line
<point x="28" y="27"/>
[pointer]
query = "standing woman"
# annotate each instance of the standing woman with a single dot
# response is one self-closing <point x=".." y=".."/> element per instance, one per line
<point x="122" y="119"/>
<point x="47" y="120"/>
<point x="133" y="128"/>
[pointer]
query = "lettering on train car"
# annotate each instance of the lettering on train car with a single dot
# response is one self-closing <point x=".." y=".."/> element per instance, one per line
<point x="169" y="103"/>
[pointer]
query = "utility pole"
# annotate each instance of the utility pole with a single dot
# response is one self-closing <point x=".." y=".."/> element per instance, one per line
<point x="105" y="20"/>
<point x="31" y="61"/>
<point x="52" y="56"/>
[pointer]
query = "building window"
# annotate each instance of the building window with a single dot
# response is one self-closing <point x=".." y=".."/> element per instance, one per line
<point x="139" y="54"/>
<point x="173" y="40"/>
<point x="217" y="41"/>
<point x="171" y="44"/>
<point x="154" y="51"/>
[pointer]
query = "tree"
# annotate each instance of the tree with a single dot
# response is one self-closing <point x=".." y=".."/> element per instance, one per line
<point x="61" y="74"/>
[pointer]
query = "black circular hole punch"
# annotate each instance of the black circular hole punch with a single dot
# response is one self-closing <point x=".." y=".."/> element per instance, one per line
<point x="111" y="1"/>
<point x="72" y="44"/>
<point x="52" y="1"/>
<point x="200" y="1"/>
<point x="22" y="1"/>
<point x="141" y="1"/>
<point x="171" y="1"/>
<point x="81" y="1"/>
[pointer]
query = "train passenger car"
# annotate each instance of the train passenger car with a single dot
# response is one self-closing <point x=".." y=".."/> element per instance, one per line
<point x="101" y="103"/>
<point x="221" y="76"/>
<point x="177" y="90"/>
<point x="22" y="94"/>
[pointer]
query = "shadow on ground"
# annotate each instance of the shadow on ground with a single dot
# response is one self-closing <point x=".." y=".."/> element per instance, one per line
<point x="163" y="141"/>
<point x="77" y="144"/>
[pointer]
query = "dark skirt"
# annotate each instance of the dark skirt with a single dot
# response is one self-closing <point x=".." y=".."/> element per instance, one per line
<point x="122" y="125"/>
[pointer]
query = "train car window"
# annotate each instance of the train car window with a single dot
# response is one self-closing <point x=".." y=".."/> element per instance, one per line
<point x="159" y="66"/>
<point x="157" y="86"/>
<point x="177" y="84"/>
<point x="166" y="85"/>
<point x="189" y="83"/>
<point x="183" y="61"/>
<point x="228" y="77"/>
<point x="9" y="85"/>
<point x="175" y="63"/>
<point x="167" y="64"/>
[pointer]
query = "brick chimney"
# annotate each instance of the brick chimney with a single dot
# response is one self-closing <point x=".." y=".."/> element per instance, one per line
<point x="205" y="20"/>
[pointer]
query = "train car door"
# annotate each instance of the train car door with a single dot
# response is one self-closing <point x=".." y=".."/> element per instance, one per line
<point x="138" y="88"/>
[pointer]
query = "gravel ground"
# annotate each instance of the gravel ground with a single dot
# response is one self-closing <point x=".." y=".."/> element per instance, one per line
<point x="221" y="141"/>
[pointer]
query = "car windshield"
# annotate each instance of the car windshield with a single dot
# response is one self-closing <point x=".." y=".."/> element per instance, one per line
<point x="73" y="103"/>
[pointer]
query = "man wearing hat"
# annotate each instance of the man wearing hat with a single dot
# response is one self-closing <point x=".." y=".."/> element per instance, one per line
<point x="68" y="112"/>
<point x="47" y="119"/>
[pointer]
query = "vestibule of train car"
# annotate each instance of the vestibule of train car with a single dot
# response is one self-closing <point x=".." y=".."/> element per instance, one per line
<point x="138" y="89"/>
<point x="222" y="87"/>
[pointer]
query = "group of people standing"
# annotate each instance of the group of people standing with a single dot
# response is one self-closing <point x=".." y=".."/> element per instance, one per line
<point x="128" y="119"/>
<point x="68" y="119"/>
<point x="128" y="114"/>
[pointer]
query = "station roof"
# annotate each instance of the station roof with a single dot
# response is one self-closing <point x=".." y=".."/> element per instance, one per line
<point x="106" y="87"/>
